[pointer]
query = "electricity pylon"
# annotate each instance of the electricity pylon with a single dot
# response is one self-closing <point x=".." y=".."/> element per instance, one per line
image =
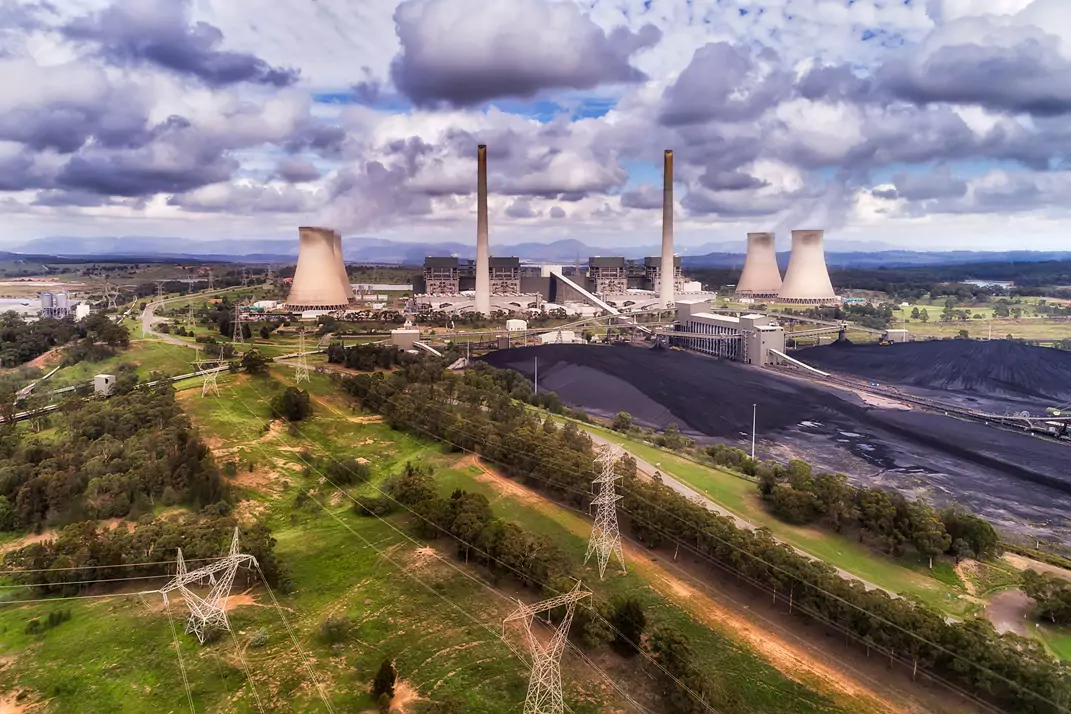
<point x="208" y="613"/>
<point x="302" y="373"/>
<point x="605" y="535"/>
<point x="211" y="282"/>
<point x="159" y="291"/>
<point x="545" y="683"/>
<point x="237" y="325"/>
<point x="210" y="377"/>
<point x="190" y="322"/>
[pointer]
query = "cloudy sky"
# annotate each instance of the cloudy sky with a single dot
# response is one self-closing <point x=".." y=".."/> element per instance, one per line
<point x="922" y="123"/>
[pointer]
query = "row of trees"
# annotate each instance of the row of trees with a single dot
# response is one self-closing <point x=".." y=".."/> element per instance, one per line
<point x="85" y="551"/>
<point x="108" y="458"/>
<point x="366" y="358"/>
<point x="1052" y="595"/>
<point x="799" y="496"/>
<point x="475" y="411"/>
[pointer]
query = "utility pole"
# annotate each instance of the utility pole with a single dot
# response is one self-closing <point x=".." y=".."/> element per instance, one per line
<point x="237" y="336"/>
<point x="754" y="415"/>
<point x="545" y="682"/>
<point x="302" y="374"/>
<point x="605" y="536"/>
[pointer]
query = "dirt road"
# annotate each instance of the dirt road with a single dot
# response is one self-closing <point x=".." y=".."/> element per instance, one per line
<point x="793" y="656"/>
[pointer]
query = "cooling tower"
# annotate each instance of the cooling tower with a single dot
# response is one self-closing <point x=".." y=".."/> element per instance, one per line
<point x="667" y="273"/>
<point x="807" y="280"/>
<point x="483" y="249"/>
<point x="343" y="276"/>
<point x="761" y="278"/>
<point x="318" y="284"/>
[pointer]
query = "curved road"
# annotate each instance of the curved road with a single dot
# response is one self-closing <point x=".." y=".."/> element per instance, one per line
<point x="149" y="318"/>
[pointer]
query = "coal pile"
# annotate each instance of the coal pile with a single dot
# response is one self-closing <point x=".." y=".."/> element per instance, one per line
<point x="659" y="387"/>
<point x="997" y="368"/>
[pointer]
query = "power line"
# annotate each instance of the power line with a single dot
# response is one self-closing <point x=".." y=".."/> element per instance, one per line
<point x="487" y="585"/>
<point x="797" y="578"/>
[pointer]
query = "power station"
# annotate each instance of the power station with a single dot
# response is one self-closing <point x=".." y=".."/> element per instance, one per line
<point x="502" y="283"/>
<point x="761" y="278"/>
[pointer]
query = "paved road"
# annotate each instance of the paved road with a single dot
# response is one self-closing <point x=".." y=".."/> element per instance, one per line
<point x="689" y="493"/>
<point x="148" y="317"/>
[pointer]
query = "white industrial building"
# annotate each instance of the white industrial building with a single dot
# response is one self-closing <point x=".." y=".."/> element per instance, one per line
<point x="748" y="338"/>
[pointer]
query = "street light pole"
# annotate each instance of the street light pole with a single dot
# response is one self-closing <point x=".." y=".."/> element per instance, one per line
<point x="754" y="413"/>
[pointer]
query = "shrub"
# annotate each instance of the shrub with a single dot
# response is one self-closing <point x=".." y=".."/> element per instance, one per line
<point x="293" y="405"/>
<point x="335" y="629"/>
<point x="259" y="638"/>
<point x="383" y="684"/>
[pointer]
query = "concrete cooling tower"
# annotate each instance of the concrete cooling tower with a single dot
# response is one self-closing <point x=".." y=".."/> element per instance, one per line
<point x="807" y="280"/>
<point x="761" y="278"/>
<point x="320" y="281"/>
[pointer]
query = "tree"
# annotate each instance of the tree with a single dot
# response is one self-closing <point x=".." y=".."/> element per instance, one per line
<point x="927" y="531"/>
<point x="1051" y="593"/>
<point x="254" y="362"/>
<point x="293" y="405"/>
<point x="915" y="313"/>
<point x="924" y="315"/>
<point x="963" y="335"/>
<point x="623" y="422"/>
<point x="628" y="620"/>
<point x="384" y="681"/>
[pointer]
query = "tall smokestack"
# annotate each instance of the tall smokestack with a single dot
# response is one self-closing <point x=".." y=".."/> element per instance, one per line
<point x="665" y="293"/>
<point x="483" y="248"/>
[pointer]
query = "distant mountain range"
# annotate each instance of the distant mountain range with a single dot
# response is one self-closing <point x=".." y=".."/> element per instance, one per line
<point x="360" y="249"/>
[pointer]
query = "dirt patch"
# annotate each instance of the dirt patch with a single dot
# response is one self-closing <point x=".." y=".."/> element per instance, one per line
<point x="1023" y="563"/>
<point x="260" y="478"/>
<point x="375" y="419"/>
<point x="1008" y="610"/>
<point x="968" y="570"/>
<point x="27" y="540"/>
<point x="498" y="481"/>
<point x="48" y="359"/>
<point x="8" y="705"/>
<point x="405" y="695"/>
<point x="240" y="600"/>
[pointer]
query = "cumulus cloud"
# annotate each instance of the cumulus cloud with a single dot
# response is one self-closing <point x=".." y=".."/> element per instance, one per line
<point x="456" y="54"/>
<point x="644" y="197"/>
<point x="295" y="170"/>
<point x="246" y="197"/>
<point x="521" y="208"/>
<point x="725" y="82"/>
<point x="159" y="32"/>
<point x="557" y="212"/>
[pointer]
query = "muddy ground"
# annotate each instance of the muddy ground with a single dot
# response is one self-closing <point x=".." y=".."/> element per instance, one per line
<point x="1017" y="481"/>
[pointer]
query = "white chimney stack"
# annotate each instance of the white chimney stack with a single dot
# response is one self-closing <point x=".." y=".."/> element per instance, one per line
<point x="667" y="270"/>
<point x="483" y="248"/>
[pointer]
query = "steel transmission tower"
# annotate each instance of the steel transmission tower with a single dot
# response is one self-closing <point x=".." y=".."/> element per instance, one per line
<point x="159" y="291"/>
<point x="237" y="325"/>
<point x="210" y="377"/>
<point x="545" y="682"/>
<point x="208" y="613"/>
<point x="302" y="374"/>
<point x="605" y="535"/>
<point x="190" y="322"/>
<point x="211" y="282"/>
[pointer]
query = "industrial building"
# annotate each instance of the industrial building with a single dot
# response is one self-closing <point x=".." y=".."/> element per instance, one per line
<point x="503" y="283"/>
<point x="320" y="280"/>
<point x="807" y="279"/>
<point x="752" y="339"/>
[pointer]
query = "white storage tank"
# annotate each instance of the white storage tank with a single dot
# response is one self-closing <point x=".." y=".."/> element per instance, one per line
<point x="516" y="325"/>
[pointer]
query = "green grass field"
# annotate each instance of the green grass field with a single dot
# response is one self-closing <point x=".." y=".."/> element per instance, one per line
<point x="434" y="618"/>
